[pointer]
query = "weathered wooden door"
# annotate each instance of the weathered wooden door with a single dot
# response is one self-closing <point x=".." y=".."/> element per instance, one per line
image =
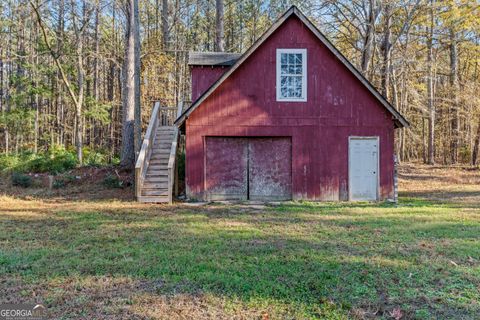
<point x="248" y="168"/>
<point x="269" y="169"/>
<point x="363" y="168"/>
<point x="226" y="171"/>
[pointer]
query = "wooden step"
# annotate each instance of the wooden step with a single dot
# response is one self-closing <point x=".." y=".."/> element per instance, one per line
<point x="162" y="149"/>
<point x="158" y="160"/>
<point x="163" y="144"/>
<point x="153" y="199"/>
<point x="155" y="192"/>
<point x="167" y="146"/>
<point x="160" y="169"/>
<point x="157" y="173"/>
<point x="162" y="189"/>
<point x="159" y="156"/>
<point x="162" y="184"/>
<point x="154" y="180"/>
<point x="162" y="163"/>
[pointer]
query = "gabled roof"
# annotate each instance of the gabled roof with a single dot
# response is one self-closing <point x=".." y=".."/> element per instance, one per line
<point x="399" y="120"/>
<point x="212" y="58"/>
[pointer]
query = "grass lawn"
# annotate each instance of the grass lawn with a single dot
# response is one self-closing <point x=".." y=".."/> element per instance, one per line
<point x="111" y="259"/>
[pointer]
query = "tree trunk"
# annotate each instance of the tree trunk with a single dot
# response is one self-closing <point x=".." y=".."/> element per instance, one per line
<point x="60" y="118"/>
<point x="386" y="48"/>
<point x="476" y="145"/>
<point x="2" y="111"/>
<point x="130" y="83"/>
<point x="96" y="84"/>
<point x="78" y="107"/>
<point x="430" y="94"/>
<point x="370" y="34"/>
<point x="219" y="28"/>
<point x="138" y="110"/>
<point x="165" y="24"/>
<point x="455" y="125"/>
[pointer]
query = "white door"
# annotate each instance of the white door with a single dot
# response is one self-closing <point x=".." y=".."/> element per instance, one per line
<point x="363" y="168"/>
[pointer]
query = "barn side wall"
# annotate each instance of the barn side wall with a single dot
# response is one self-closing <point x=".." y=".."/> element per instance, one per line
<point x="203" y="77"/>
<point x="338" y="106"/>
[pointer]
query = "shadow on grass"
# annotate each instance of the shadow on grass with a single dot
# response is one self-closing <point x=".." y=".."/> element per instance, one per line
<point x="279" y="255"/>
<point x="326" y="207"/>
<point x="447" y="197"/>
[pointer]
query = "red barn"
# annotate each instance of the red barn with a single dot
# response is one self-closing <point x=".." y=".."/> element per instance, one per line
<point x="290" y="118"/>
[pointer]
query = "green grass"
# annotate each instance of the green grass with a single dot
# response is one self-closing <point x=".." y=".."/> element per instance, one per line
<point x="297" y="260"/>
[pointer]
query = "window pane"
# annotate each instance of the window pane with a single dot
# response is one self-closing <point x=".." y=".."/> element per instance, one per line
<point x="284" y="69"/>
<point x="283" y="58"/>
<point x="298" y="57"/>
<point x="291" y="69"/>
<point x="291" y="58"/>
<point x="297" y="87"/>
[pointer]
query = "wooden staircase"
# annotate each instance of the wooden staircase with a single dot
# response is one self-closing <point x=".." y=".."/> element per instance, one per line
<point x="155" y="170"/>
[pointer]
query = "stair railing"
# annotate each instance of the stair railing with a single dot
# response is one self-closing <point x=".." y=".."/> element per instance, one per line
<point x="168" y="115"/>
<point x="143" y="159"/>
<point x="173" y="156"/>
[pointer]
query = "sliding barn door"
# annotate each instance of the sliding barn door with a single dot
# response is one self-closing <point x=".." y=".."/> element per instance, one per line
<point x="270" y="169"/>
<point x="248" y="168"/>
<point x="226" y="168"/>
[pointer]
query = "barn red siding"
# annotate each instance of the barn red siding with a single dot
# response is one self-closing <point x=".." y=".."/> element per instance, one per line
<point x="338" y="106"/>
<point x="204" y="77"/>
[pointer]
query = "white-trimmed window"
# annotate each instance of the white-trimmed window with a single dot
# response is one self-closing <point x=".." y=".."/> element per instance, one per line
<point x="291" y="74"/>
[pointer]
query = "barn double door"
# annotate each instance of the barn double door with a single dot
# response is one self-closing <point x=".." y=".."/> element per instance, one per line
<point x="248" y="168"/>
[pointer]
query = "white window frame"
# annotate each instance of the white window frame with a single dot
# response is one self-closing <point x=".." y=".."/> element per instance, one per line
<point x="303" y="98"/>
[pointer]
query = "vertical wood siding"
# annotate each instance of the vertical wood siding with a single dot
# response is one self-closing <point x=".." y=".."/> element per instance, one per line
<point x="338" y="106"/>
<point x="204" y="77"/>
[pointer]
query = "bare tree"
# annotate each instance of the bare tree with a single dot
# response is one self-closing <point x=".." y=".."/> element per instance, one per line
<point x="78" y="97"/>
<point x="79" y="29"/>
